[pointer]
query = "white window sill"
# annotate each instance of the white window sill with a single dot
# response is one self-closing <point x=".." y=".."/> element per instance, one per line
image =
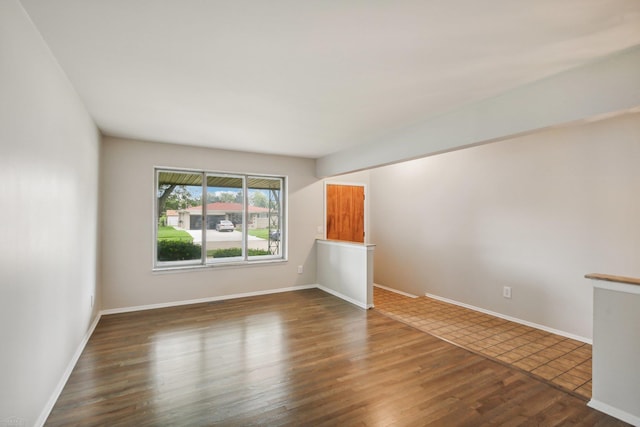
<point x="222" y="265"/>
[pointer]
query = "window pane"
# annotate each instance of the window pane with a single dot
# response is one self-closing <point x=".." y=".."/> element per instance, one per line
<point x="179" y="222"/>
<point x="264" y="223"/>
<point x="225" y="213"/>
<point x="215" y="218"/>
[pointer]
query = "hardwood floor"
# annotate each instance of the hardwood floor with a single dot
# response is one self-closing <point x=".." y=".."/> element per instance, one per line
<point x="297" y="358"/>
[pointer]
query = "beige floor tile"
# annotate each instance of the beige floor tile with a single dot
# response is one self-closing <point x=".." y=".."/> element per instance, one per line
<point x="568" y="381"/>
<point x="493" y="351"/>
<point x="551" y="353"/>
<point x="585" y="376"/>
<point x="527" y="364"/>
<point x="510" y="357"/>
<point x="546" y="372"/>
<point x="563" y="361"/>
<point x="585" y="390"/>
<point x="563" y="364"/>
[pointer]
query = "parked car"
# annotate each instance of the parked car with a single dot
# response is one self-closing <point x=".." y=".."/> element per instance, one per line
<point x="225" y="225"/>
<point x="274" y="235"/>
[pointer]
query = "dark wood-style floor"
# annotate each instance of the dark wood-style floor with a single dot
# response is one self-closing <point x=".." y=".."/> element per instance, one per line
<point x="297" y="358"/>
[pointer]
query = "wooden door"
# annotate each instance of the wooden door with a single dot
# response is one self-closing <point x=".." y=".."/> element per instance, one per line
<point x="345" y="212"/>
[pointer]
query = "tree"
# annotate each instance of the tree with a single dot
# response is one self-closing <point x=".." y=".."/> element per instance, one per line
<point x="225" y="197"/>
<point x="164" y="191"/>
<point x="175" y="197"/>
<point x="258" y="198"/>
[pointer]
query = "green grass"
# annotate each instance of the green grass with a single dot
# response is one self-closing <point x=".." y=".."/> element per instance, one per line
<point x="262" y="233"/>
<point x="170" y="233"/>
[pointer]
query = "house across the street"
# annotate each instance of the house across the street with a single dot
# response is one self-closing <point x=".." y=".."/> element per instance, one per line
<point x="172" y="218"/>
<point x="191" y="218"/>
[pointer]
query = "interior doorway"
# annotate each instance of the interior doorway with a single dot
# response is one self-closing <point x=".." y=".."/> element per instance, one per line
<point x="344" y="210"/>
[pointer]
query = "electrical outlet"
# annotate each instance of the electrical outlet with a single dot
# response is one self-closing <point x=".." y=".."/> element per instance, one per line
<point x="506" y="292"/>
<point x="300" y="269"/>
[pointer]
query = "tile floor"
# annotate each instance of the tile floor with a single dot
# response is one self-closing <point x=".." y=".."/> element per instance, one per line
<point x="561" y="361"/>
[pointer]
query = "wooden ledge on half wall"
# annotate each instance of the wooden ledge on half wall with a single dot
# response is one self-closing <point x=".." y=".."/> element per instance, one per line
<point x="612" y="278"/>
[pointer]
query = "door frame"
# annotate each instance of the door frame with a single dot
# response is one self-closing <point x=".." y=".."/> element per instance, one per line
<point x="366" y="206"/>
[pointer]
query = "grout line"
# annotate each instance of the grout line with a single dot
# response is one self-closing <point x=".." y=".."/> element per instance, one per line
<point x="502" y="332"/>
<point x="511" y="319"/>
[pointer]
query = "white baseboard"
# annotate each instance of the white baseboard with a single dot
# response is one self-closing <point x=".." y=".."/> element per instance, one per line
<point x="493" y="313"/>
<point x="344" y="297"/>
<point x="66" y="374"/>
<point x="72" y="363"/>
<point x="234" y="296"/>
<point x="512" y="319"/>
<point x="615" y="412"/>
<point x="201" y="300"/>
<point x="74" y="360"/>
<point x="406" y="294"/>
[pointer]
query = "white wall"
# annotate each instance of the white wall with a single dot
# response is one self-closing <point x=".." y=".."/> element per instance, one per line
<point x="535" y="213"/>
<point x="597" y="89"/>
<point x="48" y="220"/>
<point x="346" y="271"/>
<point x="127" y="225"/>
<point x="616" y="350"/>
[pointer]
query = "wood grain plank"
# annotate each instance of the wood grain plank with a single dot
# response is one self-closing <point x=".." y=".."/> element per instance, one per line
<point x="297" y="358"/>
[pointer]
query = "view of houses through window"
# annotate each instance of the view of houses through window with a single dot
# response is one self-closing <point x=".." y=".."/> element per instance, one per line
<point x="208" y="218"/>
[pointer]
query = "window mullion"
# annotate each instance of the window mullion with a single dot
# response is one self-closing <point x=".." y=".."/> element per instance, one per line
<point x="205" y="219"/>
<point x="254" y="200"/>
<point x="245" y="218"/>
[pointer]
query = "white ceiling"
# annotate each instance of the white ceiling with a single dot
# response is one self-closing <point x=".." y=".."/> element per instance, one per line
<point x="312" y="77"/>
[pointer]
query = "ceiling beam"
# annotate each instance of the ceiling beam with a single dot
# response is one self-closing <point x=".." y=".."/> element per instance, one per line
<point x="609" y="86"/>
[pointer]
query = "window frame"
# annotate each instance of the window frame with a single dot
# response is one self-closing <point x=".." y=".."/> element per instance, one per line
<point x="245" y="259"/>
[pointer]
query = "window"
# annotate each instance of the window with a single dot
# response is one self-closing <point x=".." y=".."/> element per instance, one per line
<point x="209" y="218"/>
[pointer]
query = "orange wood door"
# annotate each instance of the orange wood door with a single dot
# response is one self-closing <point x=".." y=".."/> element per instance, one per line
<point x="345" y="212"/>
